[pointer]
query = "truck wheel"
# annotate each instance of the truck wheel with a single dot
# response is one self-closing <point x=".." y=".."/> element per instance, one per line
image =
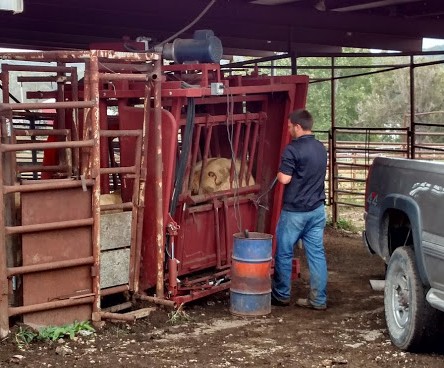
<point x="407" y="313"/>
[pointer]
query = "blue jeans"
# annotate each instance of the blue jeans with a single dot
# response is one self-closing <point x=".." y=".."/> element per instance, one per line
<point x="308" y="226"/>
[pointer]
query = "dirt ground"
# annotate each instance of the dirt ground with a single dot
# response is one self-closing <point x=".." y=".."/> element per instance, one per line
<point x="351" y="333"/>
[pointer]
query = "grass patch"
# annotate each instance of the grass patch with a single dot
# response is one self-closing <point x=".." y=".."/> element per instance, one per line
<point x="26" y="335"/>
<point x="178" y="316"/>
<point x="342" y="224"/>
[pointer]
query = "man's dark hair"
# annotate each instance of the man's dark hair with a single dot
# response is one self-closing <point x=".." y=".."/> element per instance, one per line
<point x="303" y="118"/>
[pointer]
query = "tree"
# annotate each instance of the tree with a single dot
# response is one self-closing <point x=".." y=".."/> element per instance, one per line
<point x="388" y="105"/>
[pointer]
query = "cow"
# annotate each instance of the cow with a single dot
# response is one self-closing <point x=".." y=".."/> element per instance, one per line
<point x="216" y="176"/>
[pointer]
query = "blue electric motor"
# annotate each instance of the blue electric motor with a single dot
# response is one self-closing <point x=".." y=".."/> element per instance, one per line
<point x="204" y="47"/>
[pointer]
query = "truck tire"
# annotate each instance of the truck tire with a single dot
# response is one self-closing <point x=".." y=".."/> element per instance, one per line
<point x="407" y="313"/>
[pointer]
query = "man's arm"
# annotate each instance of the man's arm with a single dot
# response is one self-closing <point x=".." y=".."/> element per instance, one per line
<point x="283" y="178"/>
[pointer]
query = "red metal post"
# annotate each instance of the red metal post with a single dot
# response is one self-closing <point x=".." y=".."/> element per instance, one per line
<point x="95" y="174"/>
<point x="157" y="131"/>
<point x="4" y="317"/>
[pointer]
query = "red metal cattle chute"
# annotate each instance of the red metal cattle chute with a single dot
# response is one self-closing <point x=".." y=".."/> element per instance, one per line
<point x="241" y="118"/>
<point x="187" y="233"/>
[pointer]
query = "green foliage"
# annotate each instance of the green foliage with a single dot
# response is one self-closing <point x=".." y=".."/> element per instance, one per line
<point x="349" y="92"/>
<point x="25" y="335"/>
<point x="342" y="224"/>
<point x="380" y="100"/>
<point x="178" y="316"/>
<point x="71" y="330"/>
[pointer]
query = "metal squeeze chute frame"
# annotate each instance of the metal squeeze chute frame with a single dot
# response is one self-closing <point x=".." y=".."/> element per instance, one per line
<point x="177" y="253"/>
<point x="237" y="117"/>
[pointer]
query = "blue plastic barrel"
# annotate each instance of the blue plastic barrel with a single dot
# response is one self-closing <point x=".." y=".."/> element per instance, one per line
<point x="250" y="289"/>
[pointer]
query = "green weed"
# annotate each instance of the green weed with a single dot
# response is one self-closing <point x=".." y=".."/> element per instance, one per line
<point x="56" y="332"/>
<point x="51" y="333"/>
<point x="24" y="337"/>
<point x="342" y="224"/>
<point x="178" y="316"/>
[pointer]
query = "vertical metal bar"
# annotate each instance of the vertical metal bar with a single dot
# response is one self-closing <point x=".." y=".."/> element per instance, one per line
<point x="294" y="61"/>
<point x="104" y="154"/>
<point x="209" y="132"/>
<point x="5" y="83"/>
<point x="142" y="184"/>
<point x="227" y="233"/>
<point x="86" y="116"/>
<point x="253" y="150"/>
<point x="134" y="214"/>
<point x="33" y="152"/>
<point x="331" y="148"/>
<point x="235" y="150"/>
<point x="11" y="251"/>
<point x="260" y="143"/>
<point x="216" y="221"/>
<point x="75" y="127"/>
<point x="4" y="317"/>
<point x="95" y="174"/>
<point x="157" y="131"/>
<point x="412" y="109"/>
<point x="208" y="136"/>
<point x="61" y="113"/>
<point x="334" y="183"/>
<point x="244" y="151"/>
<point x="194" y="154"/>
<point x="112" y="160"/>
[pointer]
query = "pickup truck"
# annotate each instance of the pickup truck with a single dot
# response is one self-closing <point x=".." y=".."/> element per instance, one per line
<point x="404" y="225"/>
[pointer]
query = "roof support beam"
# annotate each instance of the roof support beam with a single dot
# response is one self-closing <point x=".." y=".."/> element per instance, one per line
<point x="349" y="5"/>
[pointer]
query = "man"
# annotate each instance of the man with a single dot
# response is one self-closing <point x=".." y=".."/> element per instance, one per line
<point x="302" y="171"/>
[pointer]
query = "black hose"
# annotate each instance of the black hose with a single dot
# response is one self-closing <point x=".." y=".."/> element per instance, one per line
<point x="186" y="147"/>
<point x="181" y="167"/>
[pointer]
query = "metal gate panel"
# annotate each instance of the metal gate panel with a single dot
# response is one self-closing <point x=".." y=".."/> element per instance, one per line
<point x="196" y="241"/>
<point x="55" y="246"/>
<point x="205" y="242"/>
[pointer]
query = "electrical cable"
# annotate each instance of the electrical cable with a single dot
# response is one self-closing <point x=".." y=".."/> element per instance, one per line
<point x="202" y="13"/>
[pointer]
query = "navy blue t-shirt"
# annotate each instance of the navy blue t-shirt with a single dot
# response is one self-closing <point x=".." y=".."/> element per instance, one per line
<point x="305" y="159"/>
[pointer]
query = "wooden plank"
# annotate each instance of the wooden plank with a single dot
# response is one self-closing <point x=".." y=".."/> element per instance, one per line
<point x="141" y="313"/>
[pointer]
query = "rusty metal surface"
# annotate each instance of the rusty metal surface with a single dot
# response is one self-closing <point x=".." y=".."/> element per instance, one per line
<point x="207" y="221"/>
<point x="42" y="105"/>
<point x="80" y="56"/>
<point x="61" y="238"/>
<point x="47" y="185"/>
<point x="254" y="108"/>
<point x="95" y="174"/>
<point x="169" y="146"/>
<point x="158" y="196"/>
<point x="4" y="292"/>
<point x="54" y="246"/>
